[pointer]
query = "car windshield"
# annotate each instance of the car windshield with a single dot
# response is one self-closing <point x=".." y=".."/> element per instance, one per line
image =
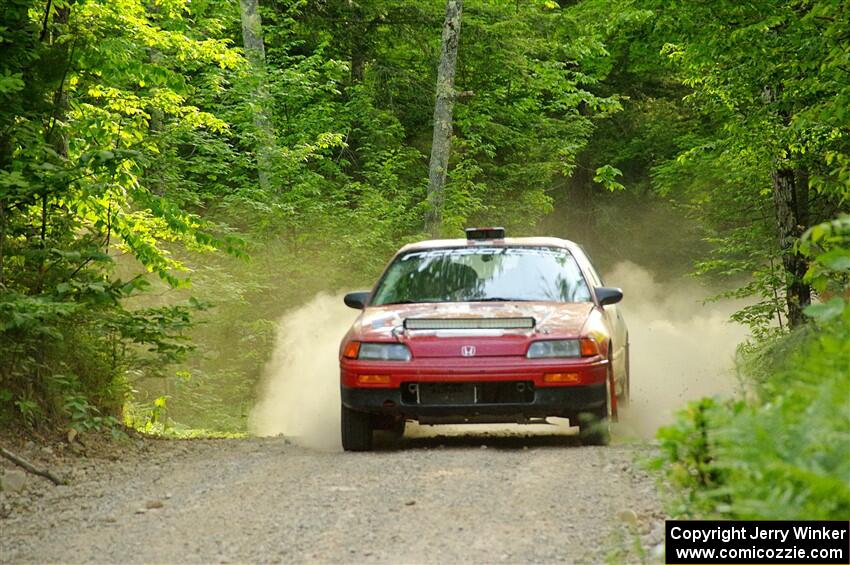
<point x="483" y="274"/>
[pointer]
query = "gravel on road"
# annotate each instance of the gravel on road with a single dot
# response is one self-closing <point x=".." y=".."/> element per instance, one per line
<point x="459" y="499"/>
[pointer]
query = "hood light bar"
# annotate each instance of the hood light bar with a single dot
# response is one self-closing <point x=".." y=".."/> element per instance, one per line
<point x="469" y="323"/>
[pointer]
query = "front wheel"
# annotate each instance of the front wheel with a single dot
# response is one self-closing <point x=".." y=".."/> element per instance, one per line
<point x="595" y="427"/>
<point x="356" y="428"/>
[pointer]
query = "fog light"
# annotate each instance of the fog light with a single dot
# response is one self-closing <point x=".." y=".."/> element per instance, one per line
<point x="561" y="378"/>
<point x="373" y="379"/>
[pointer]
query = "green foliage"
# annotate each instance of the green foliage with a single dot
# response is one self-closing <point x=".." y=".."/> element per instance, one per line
<point x="129" y="146"/>
<point x="150" y="419"/>
<point x="606" y="175"/>
<point x="718" y="96"/>
<point x="828" y="246"/>
<point x="92" y="95"/>
<point x="532" y="71"/>
<point x="689" y="455"/>
<point x="767" y="78"/>
<point x="782" y="455"/>
<point x="351" y="89"/>
<point x="524" y="111"/>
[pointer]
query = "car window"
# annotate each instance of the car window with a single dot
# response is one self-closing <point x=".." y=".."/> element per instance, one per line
<point x="483" y="273"/>
<point x="595" y="279"/>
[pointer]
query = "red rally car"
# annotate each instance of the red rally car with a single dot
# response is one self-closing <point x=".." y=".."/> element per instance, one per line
<point x="482" y="330"/>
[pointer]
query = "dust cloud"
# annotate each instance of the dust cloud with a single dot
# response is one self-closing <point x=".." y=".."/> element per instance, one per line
<point x="680" y="350"/>
<point x="299" y="394"/>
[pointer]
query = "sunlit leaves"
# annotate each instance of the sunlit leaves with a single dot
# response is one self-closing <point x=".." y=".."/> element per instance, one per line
<point x="92" y="103"/>
<point x="827" y="245"/>
<point x="606" y="175"/>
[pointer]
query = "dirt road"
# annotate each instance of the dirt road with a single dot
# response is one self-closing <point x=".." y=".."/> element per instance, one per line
<point x="434" y="500"/>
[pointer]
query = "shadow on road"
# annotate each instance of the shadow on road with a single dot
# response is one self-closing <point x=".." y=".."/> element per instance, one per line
<point x="489" y="436"/>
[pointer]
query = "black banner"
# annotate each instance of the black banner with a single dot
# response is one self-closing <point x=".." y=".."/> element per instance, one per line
<point x="816" y="542"/>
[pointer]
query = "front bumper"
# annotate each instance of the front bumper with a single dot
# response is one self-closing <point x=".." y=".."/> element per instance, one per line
<point x="585" y="394"/>
<point x="588" y="371"/>
<point x="565" y="402"/>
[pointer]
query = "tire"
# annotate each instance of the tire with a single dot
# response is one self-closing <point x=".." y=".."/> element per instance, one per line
<point x="595" y="427"/>
<point x="387" y="430"/>
<point x="625" y="398"/>
<point x="356" y="428"/>
<point x="397" y="430"/>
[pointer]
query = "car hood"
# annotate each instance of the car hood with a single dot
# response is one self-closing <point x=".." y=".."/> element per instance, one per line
<point x="552" y="320"/>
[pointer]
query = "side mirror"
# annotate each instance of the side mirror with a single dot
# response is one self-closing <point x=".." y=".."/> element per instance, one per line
<point x="356" y="300"/>
<point x="608" y="295"/>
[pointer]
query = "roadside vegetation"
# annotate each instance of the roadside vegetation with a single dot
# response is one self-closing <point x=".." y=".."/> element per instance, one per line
<point x="174" y="176"/>
<point x="780" y="454"/>
<point x="782" y="450"/>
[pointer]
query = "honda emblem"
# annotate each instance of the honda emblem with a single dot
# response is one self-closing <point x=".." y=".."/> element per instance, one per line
<point x="467" y="351"/>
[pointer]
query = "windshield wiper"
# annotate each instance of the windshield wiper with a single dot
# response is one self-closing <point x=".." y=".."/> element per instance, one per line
<point x="499" y="299"/>
<point x="408" y="302"/>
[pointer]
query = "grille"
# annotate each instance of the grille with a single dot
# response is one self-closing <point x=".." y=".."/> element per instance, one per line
<point x="469" y="323"/>
<point x="462" y="394"/>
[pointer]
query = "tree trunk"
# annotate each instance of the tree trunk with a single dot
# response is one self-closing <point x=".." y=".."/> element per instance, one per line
<point x="359" y="49"/>
<point x="2" y="243"/>
<point x="255" y="51"/>
<point x="56" y="136"/>
<point x="441" y="144"/>
<point x="359" y="34"/>
<point x="790" y="200"/>
<point x="5" y="160"/>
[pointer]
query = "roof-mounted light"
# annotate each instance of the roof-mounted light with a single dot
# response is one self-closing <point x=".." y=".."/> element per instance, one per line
<point x="485" y="233"/>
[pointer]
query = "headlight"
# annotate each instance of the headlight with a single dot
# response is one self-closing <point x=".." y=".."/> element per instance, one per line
<point x="555" y="348"/>
<point x="384" y="352"/>
<point x="584" y="347"/>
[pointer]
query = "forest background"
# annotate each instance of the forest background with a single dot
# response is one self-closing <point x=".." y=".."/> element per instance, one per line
<point x="176" y="175"/>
